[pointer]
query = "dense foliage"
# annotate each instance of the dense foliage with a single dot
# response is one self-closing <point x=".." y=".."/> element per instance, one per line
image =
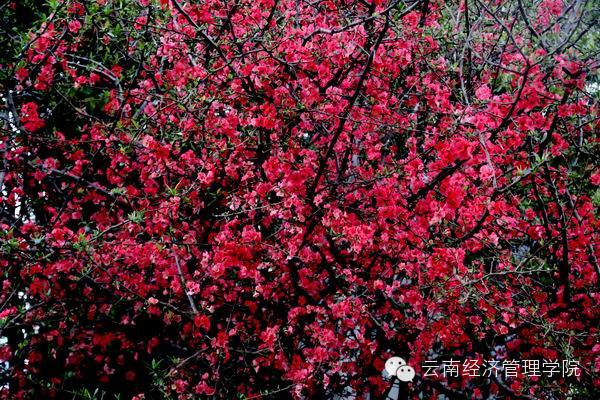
<point x="229" y="199"/>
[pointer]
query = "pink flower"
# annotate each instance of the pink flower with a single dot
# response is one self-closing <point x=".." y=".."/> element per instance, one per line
<point x="74" y="26"/>
<point x="483" y="92"/>
<point x="486" y="172"/>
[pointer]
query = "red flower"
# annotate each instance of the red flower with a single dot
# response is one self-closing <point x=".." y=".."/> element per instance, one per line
<point x="30" y="117"/>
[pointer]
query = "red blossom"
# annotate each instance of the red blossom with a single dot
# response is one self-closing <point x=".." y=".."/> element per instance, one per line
<point x="209" y="199"/>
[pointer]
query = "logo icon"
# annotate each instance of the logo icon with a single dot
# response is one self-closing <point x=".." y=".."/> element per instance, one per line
<point x="397" y="367"/>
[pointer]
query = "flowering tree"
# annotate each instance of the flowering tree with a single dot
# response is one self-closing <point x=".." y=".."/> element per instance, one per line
<point x="269" y="198"/>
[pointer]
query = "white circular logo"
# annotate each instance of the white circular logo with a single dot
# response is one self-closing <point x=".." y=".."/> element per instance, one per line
<point x="397" y="367"/>
<point x="405" y="373"/>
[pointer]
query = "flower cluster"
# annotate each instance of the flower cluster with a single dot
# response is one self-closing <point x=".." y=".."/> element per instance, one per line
<point x="272" y="197"/>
